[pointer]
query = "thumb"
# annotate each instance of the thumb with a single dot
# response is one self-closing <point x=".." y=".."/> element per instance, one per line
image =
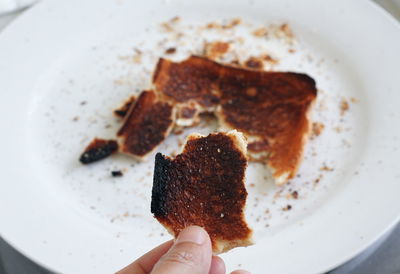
<point x="191" y="253"/>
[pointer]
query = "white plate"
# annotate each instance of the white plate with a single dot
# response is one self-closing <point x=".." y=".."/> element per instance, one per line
<point x="76" y="219"/>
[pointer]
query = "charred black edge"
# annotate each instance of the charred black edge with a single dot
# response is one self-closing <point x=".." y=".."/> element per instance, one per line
<point x="160" y="181"/>
<point x="99" y="153"/>
<point x="120" y="113"/>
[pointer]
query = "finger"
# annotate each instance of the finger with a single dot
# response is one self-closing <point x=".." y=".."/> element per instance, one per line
<point x="191" y="253"/>
<point x="145" y="264"/>
<point x="217" y="266"/>
<point x="241" y="271"/>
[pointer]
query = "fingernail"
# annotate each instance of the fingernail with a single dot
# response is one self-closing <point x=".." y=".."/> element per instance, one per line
<point x="193" y="234"/>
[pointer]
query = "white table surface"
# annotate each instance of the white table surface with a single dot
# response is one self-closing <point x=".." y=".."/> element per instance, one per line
<point x="383" y="257"/>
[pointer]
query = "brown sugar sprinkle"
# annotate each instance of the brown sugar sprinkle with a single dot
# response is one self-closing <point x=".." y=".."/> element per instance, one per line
<point x="316" y="129"/>
<point x="254" y="63"/>
<point x="270" y="59"/>
<point x="216" y="49"/>
<point x="344" y="106"/>
<point x="170" y="51"/>
<point x="287" y="208"/>
<point x="260" y="32"/>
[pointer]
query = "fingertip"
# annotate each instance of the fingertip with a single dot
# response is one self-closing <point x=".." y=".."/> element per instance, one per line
<point x="194" y="234"/>
<point x="217" y="266"/>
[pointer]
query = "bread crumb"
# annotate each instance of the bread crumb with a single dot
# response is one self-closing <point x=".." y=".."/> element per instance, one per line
<point x="254" y="63"/>
<point x="316" y="129"/>
<point x="216" y="49"/>
<point x="170" y="50"/>
<point x="270" y="59"/>
<point x="260" y="32"/>
<point x="344" y="106"/>
<point x="326" y="168"/>
<point x="287" y="208"/>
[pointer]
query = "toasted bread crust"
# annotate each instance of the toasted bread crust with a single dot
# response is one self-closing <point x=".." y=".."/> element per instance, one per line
<point x="204" y="186"/>
<point x="146" y="125"/>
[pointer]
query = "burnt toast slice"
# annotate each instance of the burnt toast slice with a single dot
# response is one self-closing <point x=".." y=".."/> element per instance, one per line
<point x="204" y="186"/>
<point x="147" y="123"/>
<point x="270" y="108"/>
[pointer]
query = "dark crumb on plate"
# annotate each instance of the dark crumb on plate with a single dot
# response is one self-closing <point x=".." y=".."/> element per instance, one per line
<point x="83" y="103"/>
<point x="291" y="50"/>
<point x="75" y="119"/>
<point x="287" y="208"/>
<point x="295" y="194"/>
<point x="170" y="51"/>
<point x="117" y="173"/>
<point x="98" y="149"/>
<point x="318" y="179"/>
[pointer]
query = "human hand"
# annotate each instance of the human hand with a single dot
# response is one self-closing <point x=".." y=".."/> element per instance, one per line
<point x="190" y="253"/>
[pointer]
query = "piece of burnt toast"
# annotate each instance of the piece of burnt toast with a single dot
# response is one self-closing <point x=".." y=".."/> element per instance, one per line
<point x="98" y="149"/>
<point x="147" y="123"/>
<point x="204" y="186"/>
<point x="270" y="108"/>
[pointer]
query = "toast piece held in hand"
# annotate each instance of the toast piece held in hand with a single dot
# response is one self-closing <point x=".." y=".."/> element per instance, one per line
<point x="204" y="186"/>
<point x="147" y="123"/>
